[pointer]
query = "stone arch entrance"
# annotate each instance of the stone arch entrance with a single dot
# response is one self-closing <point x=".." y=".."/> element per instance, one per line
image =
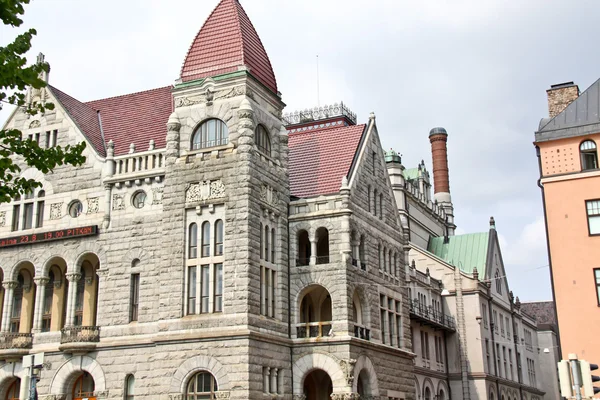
<point x="79" y="370"/>
<point x="304" y="366"/>
<point x="317" y="385"/>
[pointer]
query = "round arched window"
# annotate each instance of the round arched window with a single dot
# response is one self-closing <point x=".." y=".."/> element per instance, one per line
<point x="75" y="209"/>
<point x="589" y="155"/>
<point x="211" y="133"/>
<point x="138" y="199"/>
<point x="263" y="140"/>
<point x="202" y="386"/>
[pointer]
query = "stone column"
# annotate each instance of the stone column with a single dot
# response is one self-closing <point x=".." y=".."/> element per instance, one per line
<point x="40" y="295"/>
<point x="313" y="251"/>
<point x="173" y="127"/>
<point x="274" y="381"/>
<point x="266" y="379"/>
<point x="73" y="278"/>
<point x="9" y="287"/>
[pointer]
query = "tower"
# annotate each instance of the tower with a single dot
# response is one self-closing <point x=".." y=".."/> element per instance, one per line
<point x="438" y="137"/>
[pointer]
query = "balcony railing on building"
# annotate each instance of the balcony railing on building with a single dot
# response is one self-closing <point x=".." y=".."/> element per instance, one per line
<point x="362" y="332"/>
<point x="80" y="334"/>
<point x="431" y="316"/>
<point x="305" y="261"/>
<point x="357" y="263"/>
<point x="313" y="329"/>
<point x="15" y="341"/>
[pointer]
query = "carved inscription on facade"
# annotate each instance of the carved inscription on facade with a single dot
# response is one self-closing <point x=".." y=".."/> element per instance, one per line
<point x="93" y="205"/>
<point x="205" y="191"/>
<point x="56" y="211"/>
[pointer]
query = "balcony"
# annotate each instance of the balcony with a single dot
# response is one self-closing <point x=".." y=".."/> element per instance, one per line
<point x="356" y="263"/>
<point x="14" y="345"/>
<point x="313" y="329"/>
<point x="79" y="339"/>
<point x="362" y="332"/>
<point x="429" y="316"/>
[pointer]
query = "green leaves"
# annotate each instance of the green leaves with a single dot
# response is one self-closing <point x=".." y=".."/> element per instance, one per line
<point x="16" y="77"/>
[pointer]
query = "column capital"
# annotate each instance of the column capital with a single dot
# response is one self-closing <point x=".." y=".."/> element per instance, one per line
<point x="73" y="276"/>
<point x="41" y="280"/>
<point x="10" y="285"/>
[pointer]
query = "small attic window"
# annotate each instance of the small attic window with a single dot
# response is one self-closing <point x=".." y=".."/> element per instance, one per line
<point x="589" y="155"/>
<point x="210" y="133"/>
<point x="263" y="140"/>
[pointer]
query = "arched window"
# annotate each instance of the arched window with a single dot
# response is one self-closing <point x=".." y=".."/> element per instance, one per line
<point x="15" y="315"/>
<point x="79" y="296"/>
<point x="380" y="205"/>
<point x="273" y="245"/>
<point x="47" y="308"/>
<point x="211" y="133"/>
<point x="202" y="386"/>
<point x="14" y="390"/>
<point x="130" y="387"/>
<point x="193" y="241"/>
<point x="304" y="249"/>
<point x="369" y="198"/>
<point x="263" y="140"/>
<point x="39" y="222"/>
<point x="379" y="261"/>
<point x="261" y="241"/>
<point x="267" y="234"/>
<point x="361" y="252"/>
<point x="375" y="202"/>
<point x="322" y="246"/>
<point x="84" y="387"/>
<point x="206" y="239"/>
<point x="219" y="238"/>
<point x="589" y="155"/>
<point x="498" y="282"/>
<point x="384" y="259"/>
<point x="427" y="395"/>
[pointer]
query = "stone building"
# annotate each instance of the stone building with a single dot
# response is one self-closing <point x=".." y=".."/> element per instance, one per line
<point x="209" y="247"/>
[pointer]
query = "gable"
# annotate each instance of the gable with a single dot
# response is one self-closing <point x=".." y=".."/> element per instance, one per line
<point x="466" y="252"/>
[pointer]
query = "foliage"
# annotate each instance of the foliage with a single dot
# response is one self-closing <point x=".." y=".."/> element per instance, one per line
<point x="15" y="79"/>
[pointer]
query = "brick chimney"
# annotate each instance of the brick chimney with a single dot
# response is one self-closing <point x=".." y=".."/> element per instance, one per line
<point x="438" y="137"/>
<point x="560" y="96"/>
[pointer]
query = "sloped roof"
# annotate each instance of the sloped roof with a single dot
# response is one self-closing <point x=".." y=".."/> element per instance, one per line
<point x="411" y="173"/>
<point x="543" y="311"/>
<point x="84" y="116"/>
<point x="463" y="251"/>
<point x="319" y="159"/>
<point x="135" y="118"/>
<point x="226" y="42"/>
<point x="581" y="117"/>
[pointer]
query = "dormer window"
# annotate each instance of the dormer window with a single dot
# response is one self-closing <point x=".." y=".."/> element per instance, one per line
<point x="263" y="140"/>
<point x="589" y="155"/>
<point x="210" y="133"/>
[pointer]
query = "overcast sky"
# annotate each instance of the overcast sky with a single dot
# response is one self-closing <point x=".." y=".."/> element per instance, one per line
<point x="478" y="68"/>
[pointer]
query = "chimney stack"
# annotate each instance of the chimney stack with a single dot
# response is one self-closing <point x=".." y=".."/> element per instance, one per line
<point x="438" y="137"/>
<point x="560" y="96"/>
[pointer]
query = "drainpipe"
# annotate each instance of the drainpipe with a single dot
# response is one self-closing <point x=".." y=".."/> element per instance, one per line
<point x="539" y="183"/>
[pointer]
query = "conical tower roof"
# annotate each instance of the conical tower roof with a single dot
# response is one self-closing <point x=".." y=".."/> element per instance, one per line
<point x="226" y="42"/>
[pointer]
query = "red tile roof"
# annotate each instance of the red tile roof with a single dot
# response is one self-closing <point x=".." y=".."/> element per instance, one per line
<point x="319" y="159"/>
<point x="136" y="118"/>
<point x="226" y="42"/>
<point x="84" y="116"/>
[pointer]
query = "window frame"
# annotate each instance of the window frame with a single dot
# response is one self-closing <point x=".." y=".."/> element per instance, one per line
<point x="587" y="214"/>
<point x="127" y="395"/>
<point x="221" y="138"/>
<point x="134" y="297"/>
<point x="597" y="284"/>
<point x="588" y="151"/>
<point x="262" y="140"/>
<point x="135" y="199"/>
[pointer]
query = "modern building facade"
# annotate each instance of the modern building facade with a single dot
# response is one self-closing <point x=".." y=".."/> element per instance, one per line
<point x="566" y="144"/>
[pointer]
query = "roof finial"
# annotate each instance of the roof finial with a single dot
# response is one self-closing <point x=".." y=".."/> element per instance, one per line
<point x="492" y="223"/>
<point x="475" y="273"/>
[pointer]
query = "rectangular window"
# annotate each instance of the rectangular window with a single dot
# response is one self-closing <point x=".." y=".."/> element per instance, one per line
<point x="267" y="291"/>
<point x="391" y="327"/>
<point x="54" y="138"/>
<point x="273" y="289"/>
<point x="398" y="324"/>
<point x="261" y="241"/>
<point x="505" y="363"/>
<point x="597" y="277"/>
<point x="218" y="300"/>
<point x="47" y="139"/>
<point x="205" y="288"/>
<point x="37" y="138"/>
<point x="484" y="315"/>
<point x="502" y="325"/>
<point x="495" y="321"/>
<point x="40" y="214"/>
<point x="273" y="245"/>
<point x="267" y="243"/>
<point x="15" y="217"/>
<point x="487" y="355"/>
<point x="382" y="322"/>
<point x="507" y="327"/>
<point x="134" y="297"/>
<point x="593" y="216"/>
<point x="510" y="361"/>
<point x="27" y="215"/>
<point x="191" y="290"/>
<point x="498" y="366"/>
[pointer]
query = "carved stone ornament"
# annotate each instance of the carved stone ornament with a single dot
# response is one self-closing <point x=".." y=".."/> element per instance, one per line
<point x="222" y="395"/>
<point x="176" y="396"/>
<point x="268" y="194"/>
<point x="157" y="195"/>
<point x="346" y="396"/>
<point x="10" y="285"/>
<point x="93" y="205"/>
<point x="348" y="368"/>
<point x="118" y="202"/>
<point x="227" y="94"/>
<point x="3" y="218"/>
<point x="299" y="397"/>
<point x="56" y="211"/>
<point x="101" y="394"/>
<point x="205" y="191"/>
<point x="73" y="277"/>
<point x="35" y="124"/>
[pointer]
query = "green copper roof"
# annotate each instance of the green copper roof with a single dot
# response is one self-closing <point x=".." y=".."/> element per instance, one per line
<point x="463" y="251"/>
<point x="411" y="174"/>
<point x="392" y="156"/>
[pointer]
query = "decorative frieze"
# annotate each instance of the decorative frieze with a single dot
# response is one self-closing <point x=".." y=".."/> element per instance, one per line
<point x="118" y="202"/>
<point x="3" y="218"/>
<point x="35" y="124"/>
<point x="269" y="195"/>
<point x="157" y="195"/>
<point x="348" y="368"/>
<point x="206" y="190"/>
<point x="209" y="96"/>
<point x="93" y="205"/>
<point x="56" y="211"/>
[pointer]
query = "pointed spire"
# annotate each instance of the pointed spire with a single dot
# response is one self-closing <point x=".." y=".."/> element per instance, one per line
<point x="492" y="223"/>
<point x="226" y="43"/>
